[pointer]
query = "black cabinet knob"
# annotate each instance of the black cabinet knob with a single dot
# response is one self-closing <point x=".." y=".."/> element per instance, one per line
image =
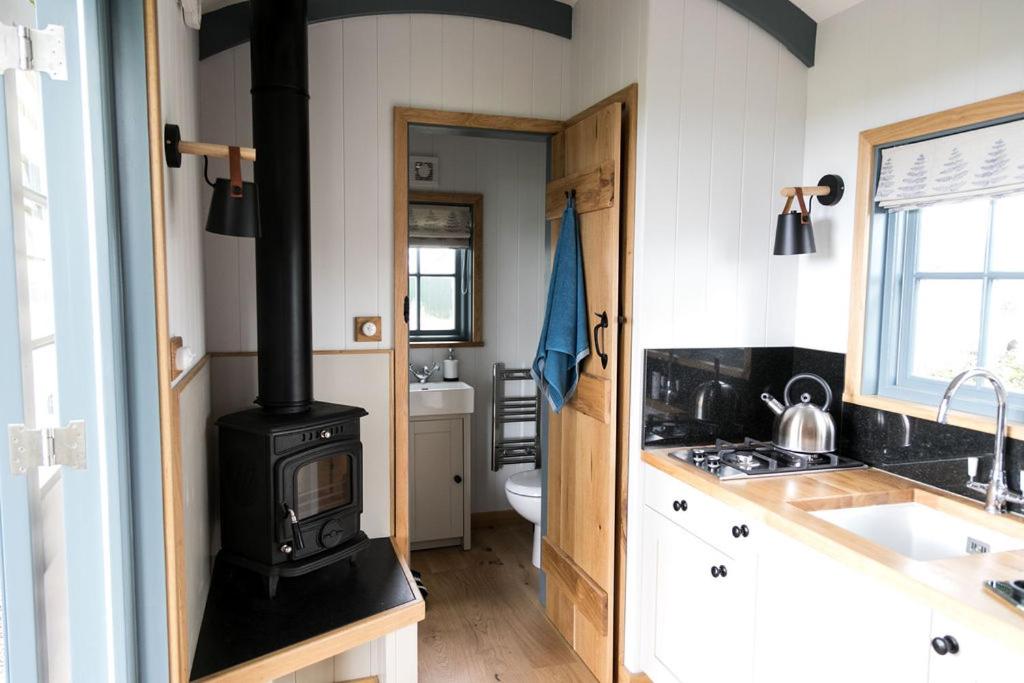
<point x="718" y="571"/>
<point x="714" y="572"/>
<point x="679" y="505"/>
<point x="945" y="645"/>
<point x="721" y="570"/>
<point x="741" y="530"/>
<point x="458" y="479"/>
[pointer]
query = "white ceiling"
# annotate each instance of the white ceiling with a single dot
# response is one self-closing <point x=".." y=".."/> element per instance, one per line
<point x="820" y="10"/>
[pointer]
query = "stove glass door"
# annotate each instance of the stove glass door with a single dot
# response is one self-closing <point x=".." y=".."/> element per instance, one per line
<point x="323" y="484"/>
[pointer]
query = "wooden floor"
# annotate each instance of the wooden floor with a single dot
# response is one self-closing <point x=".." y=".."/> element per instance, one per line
<point x="484" y="621"/>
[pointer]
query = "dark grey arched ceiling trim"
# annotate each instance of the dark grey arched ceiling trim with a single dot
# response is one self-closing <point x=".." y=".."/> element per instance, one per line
<point x="783" y="20"/>
<point x="229" y="26"/>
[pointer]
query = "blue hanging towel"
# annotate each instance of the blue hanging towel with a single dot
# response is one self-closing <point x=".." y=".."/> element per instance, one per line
<point x="564" y="340"/>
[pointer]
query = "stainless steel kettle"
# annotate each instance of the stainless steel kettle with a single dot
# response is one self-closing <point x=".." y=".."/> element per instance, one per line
<point x="803" y="427"/>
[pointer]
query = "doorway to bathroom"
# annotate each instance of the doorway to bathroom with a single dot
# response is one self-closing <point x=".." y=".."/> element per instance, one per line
<point x="478" y="201"/>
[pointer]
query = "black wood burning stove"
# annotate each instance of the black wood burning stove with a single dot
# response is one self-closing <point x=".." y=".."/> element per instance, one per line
<point x="291" y="492"/>
<point x="291" y="471"/>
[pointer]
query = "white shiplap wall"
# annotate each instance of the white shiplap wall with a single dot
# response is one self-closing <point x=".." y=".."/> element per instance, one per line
<point x="721" y="129"/>
<point x="184" y="209"/>
<point x="184" y="212"/>
<point x="359" y="70"/>
<point x="879" y="62"/>
<point x="511" y="175"/>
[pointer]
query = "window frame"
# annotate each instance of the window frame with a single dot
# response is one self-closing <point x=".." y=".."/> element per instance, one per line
<point x="864" y="379"/>
<point x="899" y="305"/>
<point x="470" y="331"/>
<point x="463" y="303"/>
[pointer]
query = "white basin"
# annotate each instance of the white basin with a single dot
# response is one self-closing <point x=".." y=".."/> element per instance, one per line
<point x="440" y="398"/>
<point x="918" y="531"/>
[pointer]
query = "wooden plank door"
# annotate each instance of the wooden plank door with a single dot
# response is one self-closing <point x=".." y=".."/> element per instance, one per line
<point x="578" y="552"/>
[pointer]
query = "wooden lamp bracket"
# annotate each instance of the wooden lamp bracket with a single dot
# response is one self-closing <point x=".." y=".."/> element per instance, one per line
<point x="174" y="147"/>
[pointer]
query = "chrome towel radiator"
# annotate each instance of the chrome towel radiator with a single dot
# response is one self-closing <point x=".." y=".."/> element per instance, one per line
<point x="513" y="410"/>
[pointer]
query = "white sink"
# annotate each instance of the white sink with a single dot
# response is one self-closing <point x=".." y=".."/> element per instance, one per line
<point x="440" y="398"/>
<point x="919" y="531"/>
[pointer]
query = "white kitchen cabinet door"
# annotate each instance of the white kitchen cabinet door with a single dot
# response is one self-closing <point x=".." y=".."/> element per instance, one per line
<point x="435" y="479"/>
<point x="978" y="659"/>
<point x="698" y="625"/>
<point x="818" y="620"/>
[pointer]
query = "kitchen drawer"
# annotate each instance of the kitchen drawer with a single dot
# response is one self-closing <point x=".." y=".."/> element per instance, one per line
<point x="716" y="523"/>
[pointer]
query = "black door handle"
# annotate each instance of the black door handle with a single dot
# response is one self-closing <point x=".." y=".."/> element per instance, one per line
<point x="405" y="309"/>
<point x="602" y="324"/>
<point x="945" y="645"/>
<point x="458" y="479"/>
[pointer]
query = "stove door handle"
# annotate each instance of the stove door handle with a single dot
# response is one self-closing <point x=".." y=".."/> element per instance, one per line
<point x="296" y="532"/>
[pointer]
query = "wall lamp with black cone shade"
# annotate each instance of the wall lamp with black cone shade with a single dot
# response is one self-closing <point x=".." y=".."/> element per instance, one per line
<point x="234" y="209"/>
<point x="794" y="233"/>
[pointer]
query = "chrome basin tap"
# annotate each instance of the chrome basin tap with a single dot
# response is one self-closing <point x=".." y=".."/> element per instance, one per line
<point x="997" y="493"/>
<point x="423" y="374"/>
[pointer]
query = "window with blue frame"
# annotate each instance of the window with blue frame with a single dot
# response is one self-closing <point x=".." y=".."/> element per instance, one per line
<point x="949" y="269"/>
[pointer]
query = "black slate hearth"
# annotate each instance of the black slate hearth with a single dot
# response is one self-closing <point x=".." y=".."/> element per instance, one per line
<point x="240" y="624"/>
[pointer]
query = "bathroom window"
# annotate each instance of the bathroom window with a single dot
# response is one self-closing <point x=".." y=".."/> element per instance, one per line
<point x="949" y="269"/>
<point x="439" y="294"/>
<point x="445" y="269"/>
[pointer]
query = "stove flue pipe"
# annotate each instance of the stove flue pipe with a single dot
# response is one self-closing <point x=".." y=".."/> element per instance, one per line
<point x="280" y="131"/>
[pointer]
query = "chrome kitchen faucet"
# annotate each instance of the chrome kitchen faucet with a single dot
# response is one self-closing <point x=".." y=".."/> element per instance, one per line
<point x="997" y="493"/>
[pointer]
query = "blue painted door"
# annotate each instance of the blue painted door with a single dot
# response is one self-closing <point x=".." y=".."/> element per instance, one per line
<point x="64" y="530"/>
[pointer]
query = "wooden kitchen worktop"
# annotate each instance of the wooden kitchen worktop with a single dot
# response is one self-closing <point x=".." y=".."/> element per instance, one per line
<point x="954" y="586"/>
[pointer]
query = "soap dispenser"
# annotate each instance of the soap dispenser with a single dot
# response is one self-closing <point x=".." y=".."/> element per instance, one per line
<point x="451" y="367"/>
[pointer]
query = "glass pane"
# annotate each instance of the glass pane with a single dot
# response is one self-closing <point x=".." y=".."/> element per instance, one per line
<point x="1005" y="344"/>
<point x="437" y="261"/>
<point x="1008" y="234"/>
<point x="32" y="241"/>
<point x="322" y="485"/>
<point x="946" y="325"/>
<point x="413" y="260"/>
<point x="438" y="303"/>
<point x="37" y="269"/>
<point x="952" y="237"/>
<point x="414" y="305"/>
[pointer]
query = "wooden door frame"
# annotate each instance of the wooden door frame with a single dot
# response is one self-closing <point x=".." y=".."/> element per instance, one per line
<point x="404" y="117"/>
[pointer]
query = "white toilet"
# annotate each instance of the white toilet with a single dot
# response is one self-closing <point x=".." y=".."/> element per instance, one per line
<point x="523" y="491"/>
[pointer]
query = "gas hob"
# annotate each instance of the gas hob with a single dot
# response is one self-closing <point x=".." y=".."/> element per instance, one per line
<point x="751" y="458"/>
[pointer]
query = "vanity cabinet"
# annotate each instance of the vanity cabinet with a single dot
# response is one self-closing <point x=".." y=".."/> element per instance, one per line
<point x="439" y="503"/>
<point x="783" y="610"/>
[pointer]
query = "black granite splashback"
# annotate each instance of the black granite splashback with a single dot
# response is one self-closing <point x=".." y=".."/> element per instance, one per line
<point x="693" y="396"/>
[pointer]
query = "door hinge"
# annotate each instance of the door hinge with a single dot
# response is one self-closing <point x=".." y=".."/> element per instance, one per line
<point x="32" y="448"/>
<point x="34" y="49"/>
